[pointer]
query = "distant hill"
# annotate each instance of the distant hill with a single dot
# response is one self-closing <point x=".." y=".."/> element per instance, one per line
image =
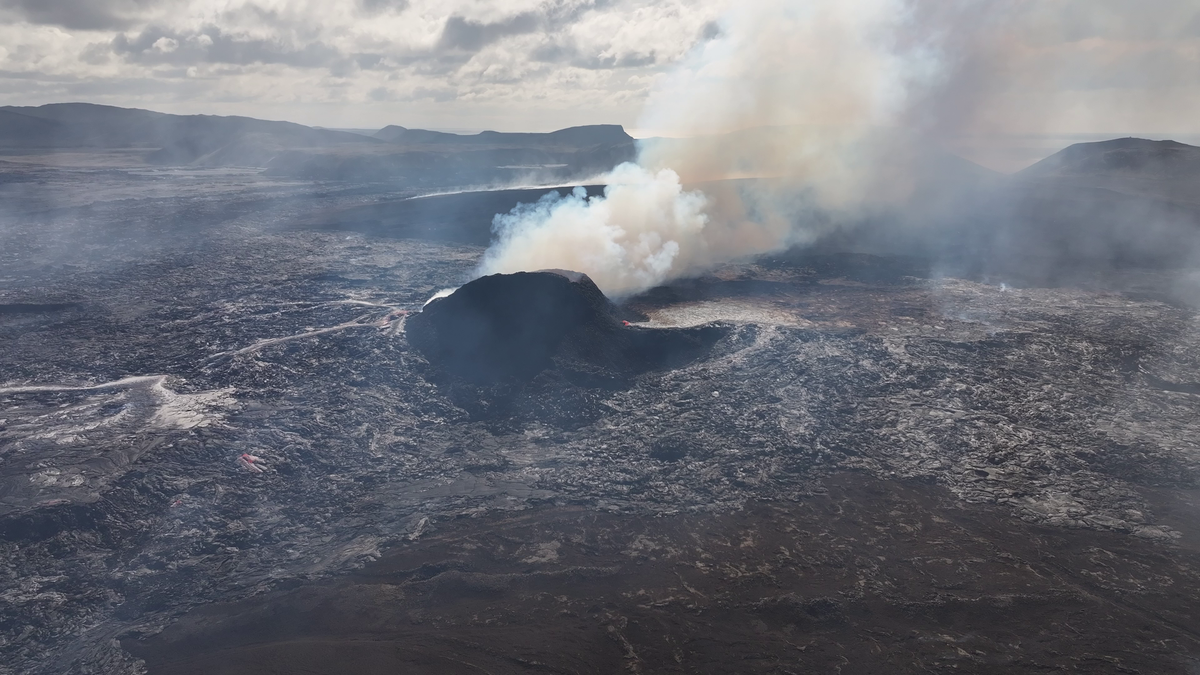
<point x="572" y="137"/>
<point x="204" y="140"/>
<point x="407" y="157"/>
<point x="418" y="157"/>
<point x="1121" y="157"/>
<point x="1125" y="202"/>
<point x="23" y="131"/>
<point x="439" y="167"/>
<point x="1160" y="170"/>
<point x="402" y="135"/>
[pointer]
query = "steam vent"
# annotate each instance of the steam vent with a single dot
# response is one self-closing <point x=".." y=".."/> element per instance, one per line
<point x="514" y="326"/>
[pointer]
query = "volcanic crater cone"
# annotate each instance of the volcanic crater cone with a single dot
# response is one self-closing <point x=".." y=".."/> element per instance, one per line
<point x="514" y="326"/>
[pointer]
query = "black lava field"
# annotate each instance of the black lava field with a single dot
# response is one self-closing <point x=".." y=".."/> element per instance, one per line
<point x="232" y="442"/>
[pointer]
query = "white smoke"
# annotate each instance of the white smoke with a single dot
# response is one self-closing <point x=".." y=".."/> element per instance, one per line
<point x="835" y="105"/>
<point x="444" y="293"/>
<point x="643" y="230"/>
<point x="828" y="64"/>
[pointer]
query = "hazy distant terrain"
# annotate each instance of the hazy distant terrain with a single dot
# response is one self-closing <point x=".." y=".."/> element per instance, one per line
<point x="1077" y="206"/>
<point x="175" y="140"/>
<point x="403" y="157"/>
<point x="1092" y="206"/>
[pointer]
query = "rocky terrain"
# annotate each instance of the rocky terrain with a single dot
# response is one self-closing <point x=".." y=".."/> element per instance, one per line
<point x="220" y="453"/>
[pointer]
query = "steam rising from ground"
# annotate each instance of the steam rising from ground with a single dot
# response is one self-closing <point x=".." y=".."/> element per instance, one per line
<point x="848" y="97"/>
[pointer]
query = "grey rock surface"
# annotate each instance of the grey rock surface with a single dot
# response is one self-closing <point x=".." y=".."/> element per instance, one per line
<point x="158" y="328"/>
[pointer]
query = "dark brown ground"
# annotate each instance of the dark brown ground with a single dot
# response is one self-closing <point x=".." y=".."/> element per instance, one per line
<point x="868" y="577"/>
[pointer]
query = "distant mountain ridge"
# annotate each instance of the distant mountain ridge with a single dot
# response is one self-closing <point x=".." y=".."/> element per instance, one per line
<point x="1167" y="171"/>
<point x="1164" y="159"/>
<point x="422" y="158"/>
<point x="21" y="130"/>
<point x="578" y="137"/>
<point x="1101" y="205"/>
<point x="199" y="140"/>
<point x="411" y="157"/>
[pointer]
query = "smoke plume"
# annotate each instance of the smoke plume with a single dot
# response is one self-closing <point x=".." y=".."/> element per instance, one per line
<point x="837" y="110"/>
<point x="823" y="74"/>
<point x="645" y="229"/>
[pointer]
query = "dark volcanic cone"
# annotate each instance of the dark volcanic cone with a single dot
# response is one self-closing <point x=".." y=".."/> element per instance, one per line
<point x="514" y="326"/>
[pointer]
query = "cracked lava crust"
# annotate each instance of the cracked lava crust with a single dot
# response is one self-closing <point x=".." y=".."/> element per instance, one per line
<point x="854" y="466"/>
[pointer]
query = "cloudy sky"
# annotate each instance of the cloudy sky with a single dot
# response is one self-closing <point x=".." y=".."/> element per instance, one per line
<point x="1020" y="66"/>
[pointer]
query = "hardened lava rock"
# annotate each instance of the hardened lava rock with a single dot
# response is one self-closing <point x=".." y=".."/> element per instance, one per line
<point x="506" y="327"/>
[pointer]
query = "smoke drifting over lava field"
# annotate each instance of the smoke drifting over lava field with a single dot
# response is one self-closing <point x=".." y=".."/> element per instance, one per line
<point x="799" y="388"/>
<point x="860" y="461"/>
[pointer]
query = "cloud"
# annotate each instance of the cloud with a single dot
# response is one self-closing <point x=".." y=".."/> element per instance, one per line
<point x="547" y="63"/>
<point x="378" y="6"/>
<point x="80" y="14"/>
<point x="462" y="34"/>
<point x="570" y="54"/>
<point x="157" y="45"/>
<point x="439" y="95"/>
